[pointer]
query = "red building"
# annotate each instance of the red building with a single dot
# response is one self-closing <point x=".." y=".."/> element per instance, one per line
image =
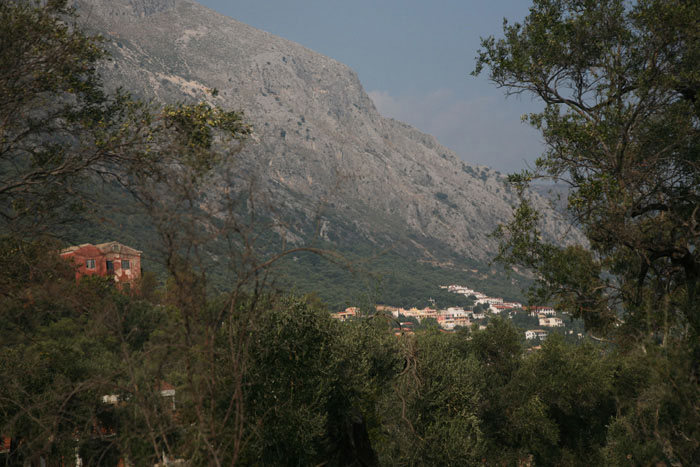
<point x="111" y="259"/>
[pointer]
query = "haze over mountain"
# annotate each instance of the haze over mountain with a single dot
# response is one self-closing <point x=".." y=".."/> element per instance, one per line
<point x="321" y="150"/>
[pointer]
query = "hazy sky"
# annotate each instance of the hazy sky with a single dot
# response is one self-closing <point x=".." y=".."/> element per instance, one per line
<point x="414" y="58"/>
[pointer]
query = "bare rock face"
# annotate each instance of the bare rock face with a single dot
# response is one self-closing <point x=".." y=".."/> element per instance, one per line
<point x="126" y="10"/>
<point x="319" y="138"/>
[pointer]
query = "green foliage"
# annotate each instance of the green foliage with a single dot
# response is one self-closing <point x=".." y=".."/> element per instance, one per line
<point x="314" y="385"/>
<point x="620" y="123"/>
<point x="292" y="352"/>
<point x="498" y="348"/>
<point x="312" y="389"/>
<point x="659" y="410"/>
<point x="572" y="384"/>
<point x="621" y="90"/>
<point x="434" y="407"/>
<point x="50" y="94"/>
<point x="61" y="346"/>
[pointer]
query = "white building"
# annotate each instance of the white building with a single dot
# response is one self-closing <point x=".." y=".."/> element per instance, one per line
<point x="542" y="310"/>
<point x="551" y="322"/>
<point x="460" y="289"/>
<point x="499" y="308"/>
<point x="489" y="300"/>
<point x="536" y="334"/>
<point x="456" y="312"/>
<point x="447" y="323"/>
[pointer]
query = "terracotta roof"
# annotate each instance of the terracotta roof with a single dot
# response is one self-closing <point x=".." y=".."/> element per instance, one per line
<point x="164" y="386"/>
<point x="70" y="249"/>
<point x="106" y="245"/>
<point x="101" y="246"/>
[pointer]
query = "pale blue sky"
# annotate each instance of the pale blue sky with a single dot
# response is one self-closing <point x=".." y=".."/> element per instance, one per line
<point x="414" y="58"/>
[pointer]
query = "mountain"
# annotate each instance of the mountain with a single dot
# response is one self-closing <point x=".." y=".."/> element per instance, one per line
<point x="332" y="164"/>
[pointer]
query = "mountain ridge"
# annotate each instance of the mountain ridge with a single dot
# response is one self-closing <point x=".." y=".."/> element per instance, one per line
<point x="322" y="151"/>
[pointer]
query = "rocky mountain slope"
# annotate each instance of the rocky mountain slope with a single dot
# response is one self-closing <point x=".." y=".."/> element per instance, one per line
<point x="321" y="149"/>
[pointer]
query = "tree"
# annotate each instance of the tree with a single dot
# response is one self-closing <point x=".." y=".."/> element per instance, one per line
<point x="313" y="385"/>
<point x="52" y="103"/>
<point x="620" y="86"/>
<point x="60" y="132"/>
<point x="559" y="403"/>
<point x="62" y="345"/>
<point x="65" y="345"/>
<point x="433" y="412"/>
<point x="621" y="89"/>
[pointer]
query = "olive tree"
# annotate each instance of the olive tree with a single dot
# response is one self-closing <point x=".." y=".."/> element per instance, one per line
<point x="620" y="86"/>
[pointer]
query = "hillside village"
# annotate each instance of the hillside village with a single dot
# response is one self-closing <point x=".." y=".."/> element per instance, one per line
<point x="536" y="322"/>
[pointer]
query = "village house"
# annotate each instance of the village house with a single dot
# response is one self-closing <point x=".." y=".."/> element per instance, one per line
<point x="405" y="328"/>
<point x="466" y="291"/>
<point x="545" y="310"/>
<point x="413" y="312"/>
<point x="167" y="391"/>
<point x="489" y="300"/>
<point x="418" y="314"/>
<point x="427" y="312"/>
<point x="462" y="321"/>
<point x="349" y="312"/>
<point x="536" y="334"/>
<point x="456" y="312"/>
<point x="5" y="445"/>
<point x="551" y="322"/>
<point x="446" y="322"/>
<point x="499" y="308"/>
<point x="111" y="259"/>
<point x="460" y="289"/>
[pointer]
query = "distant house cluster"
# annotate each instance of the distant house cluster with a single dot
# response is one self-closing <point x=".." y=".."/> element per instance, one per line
<point x="496" y="304"/>
<point x="448" y="318"/>
<point x="453" y="317"/>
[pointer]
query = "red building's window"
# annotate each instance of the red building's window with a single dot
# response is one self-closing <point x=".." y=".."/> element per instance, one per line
<point x="126" y="264"/>
<point x="90" y="263"/>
